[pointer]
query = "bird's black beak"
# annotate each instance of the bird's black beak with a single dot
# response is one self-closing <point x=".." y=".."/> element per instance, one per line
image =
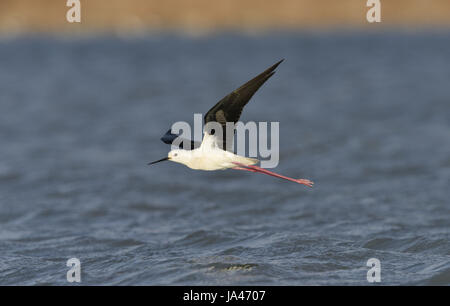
<point x="157" y="161"/>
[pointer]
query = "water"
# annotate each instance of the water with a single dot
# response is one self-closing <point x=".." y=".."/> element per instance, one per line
<point x="366" y="116"/>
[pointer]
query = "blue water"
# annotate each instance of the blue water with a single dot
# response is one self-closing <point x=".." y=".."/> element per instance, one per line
<point x="365" y="116"/>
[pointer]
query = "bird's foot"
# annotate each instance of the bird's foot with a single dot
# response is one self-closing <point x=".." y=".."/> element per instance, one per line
<point x="305" y="182"/>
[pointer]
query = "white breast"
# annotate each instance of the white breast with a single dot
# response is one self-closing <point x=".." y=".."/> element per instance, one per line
<point x="210" y="157"/>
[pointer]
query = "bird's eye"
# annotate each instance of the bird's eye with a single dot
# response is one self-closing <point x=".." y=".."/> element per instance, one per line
<point x="176" y="154"/>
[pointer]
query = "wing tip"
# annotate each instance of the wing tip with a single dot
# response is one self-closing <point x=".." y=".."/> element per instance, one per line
<point x="271" y="69"/>
<point x="277" y="64"/>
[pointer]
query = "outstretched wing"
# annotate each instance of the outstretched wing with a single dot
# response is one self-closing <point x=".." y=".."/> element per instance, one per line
<point x="229" y="109"/>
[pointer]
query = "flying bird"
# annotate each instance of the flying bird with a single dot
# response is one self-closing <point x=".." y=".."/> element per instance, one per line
<point x="211" y="153"/>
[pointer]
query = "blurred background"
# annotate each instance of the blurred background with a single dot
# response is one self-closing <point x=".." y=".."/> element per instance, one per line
<point x="199" y="16"/>
<point x="363" y="110"/>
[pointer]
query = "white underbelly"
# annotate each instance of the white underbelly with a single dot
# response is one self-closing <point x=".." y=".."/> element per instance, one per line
<point x="209" y="164"/>
<point x="218" y="160"/>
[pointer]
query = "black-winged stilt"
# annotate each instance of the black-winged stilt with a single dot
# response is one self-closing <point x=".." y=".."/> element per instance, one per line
<point x="210" y="154"/>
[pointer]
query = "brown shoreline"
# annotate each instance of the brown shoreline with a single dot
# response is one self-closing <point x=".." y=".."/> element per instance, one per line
<point x="19" y="16"/>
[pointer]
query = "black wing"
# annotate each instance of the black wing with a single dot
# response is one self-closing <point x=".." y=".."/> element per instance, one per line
<point x="169" y="137"/>
<point x="229" y="109"/>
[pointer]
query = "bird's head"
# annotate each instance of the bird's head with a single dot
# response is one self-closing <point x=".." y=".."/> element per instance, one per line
<point x="178" y="156"/>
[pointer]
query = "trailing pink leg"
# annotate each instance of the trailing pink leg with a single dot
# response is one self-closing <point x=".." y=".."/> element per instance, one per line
<point x="241" y="168"/>
<point x="264" y="171"/>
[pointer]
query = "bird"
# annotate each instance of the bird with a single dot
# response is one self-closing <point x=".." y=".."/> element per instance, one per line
<point x="211" y="154"/>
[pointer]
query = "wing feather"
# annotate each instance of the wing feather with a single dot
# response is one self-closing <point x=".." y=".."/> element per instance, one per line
<point x="229" y="109"/>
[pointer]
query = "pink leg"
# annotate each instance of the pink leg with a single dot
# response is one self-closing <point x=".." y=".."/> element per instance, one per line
<point x="241" y="168"/>
<point x="264" y="171"/>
